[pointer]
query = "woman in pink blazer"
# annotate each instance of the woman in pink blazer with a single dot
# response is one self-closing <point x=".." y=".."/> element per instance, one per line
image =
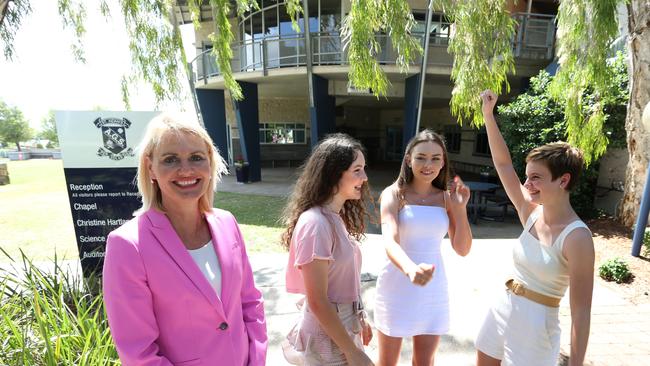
<point x="178" y="286"/>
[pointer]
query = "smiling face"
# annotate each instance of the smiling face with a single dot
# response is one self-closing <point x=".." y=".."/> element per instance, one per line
<point x="180" y="166"/>
<point x="540" y="183"/>
<point x="426" y="160"/>
<point x="351" y="183"/>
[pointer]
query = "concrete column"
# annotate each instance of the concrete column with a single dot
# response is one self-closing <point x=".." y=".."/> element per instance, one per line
<point x="247" y="113"/>
<point x="213" y="110"/>
<point x="411" y="87"/>
<point x="323" y="120"/>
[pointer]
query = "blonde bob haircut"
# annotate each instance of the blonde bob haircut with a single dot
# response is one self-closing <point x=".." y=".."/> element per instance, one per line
<point x="158" y="127"/>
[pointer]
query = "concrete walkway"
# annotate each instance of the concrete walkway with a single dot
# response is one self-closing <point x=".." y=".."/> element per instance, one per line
<point x="620" y="330"/>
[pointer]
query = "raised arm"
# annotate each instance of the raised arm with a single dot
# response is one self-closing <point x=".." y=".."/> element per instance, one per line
<point x="502" y="160"/>
<point x="419" y="274"/>
<point x="579" y="251"/>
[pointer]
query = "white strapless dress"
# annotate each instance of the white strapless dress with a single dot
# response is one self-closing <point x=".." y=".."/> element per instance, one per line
<point x="403" y="309"/>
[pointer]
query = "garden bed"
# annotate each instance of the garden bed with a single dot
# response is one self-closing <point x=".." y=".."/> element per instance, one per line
<point x="611" y="240"/>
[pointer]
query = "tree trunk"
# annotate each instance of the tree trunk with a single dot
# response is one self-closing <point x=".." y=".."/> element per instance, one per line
<point x="18" y="145"/>
<point x="3" y="9"/>
<point x="638" y="138"/>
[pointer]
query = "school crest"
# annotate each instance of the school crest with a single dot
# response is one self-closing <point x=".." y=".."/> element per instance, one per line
<point x="114" y="137"/>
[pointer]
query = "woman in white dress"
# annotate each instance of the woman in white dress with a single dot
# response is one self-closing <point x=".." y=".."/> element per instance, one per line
<point x="416" y="213"/>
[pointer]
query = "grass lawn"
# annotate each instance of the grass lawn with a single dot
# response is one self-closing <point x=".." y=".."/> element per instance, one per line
<point x="35" y="213"/>
<point x="258" y="218"/>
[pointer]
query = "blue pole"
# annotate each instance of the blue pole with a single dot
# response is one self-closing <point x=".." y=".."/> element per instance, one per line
<point x="642" y="219"/>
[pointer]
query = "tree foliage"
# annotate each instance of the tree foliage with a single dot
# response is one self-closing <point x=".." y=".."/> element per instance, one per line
<point x="480" y="43"/>
<point x="14" y="128"/>
<point x="535" y="118"/>
<point x="586" y="28"/>
<point x="156" y="48"/>
<point x="12" y="13"/>
<point x="367" y="19"/>
<point x="48" y="129"/>
<point x="482" y="49"/>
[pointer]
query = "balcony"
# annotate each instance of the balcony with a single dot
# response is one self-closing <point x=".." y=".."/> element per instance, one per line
<point x="534" y="40"/>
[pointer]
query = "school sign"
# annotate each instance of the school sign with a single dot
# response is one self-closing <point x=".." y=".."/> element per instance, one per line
<point x="100" y="164"/>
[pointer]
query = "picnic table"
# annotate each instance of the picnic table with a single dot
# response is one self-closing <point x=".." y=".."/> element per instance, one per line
<point x="477" y="189"/>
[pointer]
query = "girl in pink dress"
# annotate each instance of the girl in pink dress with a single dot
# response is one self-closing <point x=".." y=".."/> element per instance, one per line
<point x="325" y="220"/>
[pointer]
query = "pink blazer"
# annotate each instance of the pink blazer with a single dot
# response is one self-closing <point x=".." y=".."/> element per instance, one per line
<point x="163" y="311"/>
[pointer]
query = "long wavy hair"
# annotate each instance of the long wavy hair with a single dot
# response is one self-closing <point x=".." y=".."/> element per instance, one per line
<point x="406" y="173"/>
<point x="318" y="182"/>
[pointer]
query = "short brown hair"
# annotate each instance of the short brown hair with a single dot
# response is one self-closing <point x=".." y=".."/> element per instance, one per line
<point x="560" y="158"/>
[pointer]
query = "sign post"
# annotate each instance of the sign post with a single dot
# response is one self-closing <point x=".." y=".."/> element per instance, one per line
<point x="100" y="165"/>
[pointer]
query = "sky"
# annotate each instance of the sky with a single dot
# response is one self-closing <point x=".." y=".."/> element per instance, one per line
<point x="44" y="74"/>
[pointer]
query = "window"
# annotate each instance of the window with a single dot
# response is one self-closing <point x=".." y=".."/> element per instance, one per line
<point x="282" y="133"/>
<point x="452" y="138"/>
<point x="439" y="29"/>
<point x="481" y="146"/>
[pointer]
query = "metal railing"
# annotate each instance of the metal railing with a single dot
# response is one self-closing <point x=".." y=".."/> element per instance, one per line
<point x="534" y="39"/>
<point x="535" y="36"/>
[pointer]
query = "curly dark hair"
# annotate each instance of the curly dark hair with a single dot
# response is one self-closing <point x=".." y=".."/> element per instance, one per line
<point x="318" y="181"/>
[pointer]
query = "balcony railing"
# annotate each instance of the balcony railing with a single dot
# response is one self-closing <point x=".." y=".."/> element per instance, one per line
<point x="535" y="36"/>
<point x="534" y="39"/>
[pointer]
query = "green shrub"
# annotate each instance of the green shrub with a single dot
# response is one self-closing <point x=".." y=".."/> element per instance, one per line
<point x="615" y="269"/>
<point x="646" y="242"/>
<point x="52" y="317"/>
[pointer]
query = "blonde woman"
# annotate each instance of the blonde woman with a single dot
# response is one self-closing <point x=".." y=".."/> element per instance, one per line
<point x="178" y="286"/>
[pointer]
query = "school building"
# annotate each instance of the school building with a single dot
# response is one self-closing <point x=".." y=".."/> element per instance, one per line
<point x="282" y="116"/>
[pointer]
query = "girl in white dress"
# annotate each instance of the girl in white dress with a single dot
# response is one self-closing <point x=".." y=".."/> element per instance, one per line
<point x="416" y="213"/>
<point x="555" y="251"/>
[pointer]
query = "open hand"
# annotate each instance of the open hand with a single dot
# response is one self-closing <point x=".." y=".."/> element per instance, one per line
<point x="489" y="99"/>
<point x="421" y="274"/>
<point x="458" y="193"/>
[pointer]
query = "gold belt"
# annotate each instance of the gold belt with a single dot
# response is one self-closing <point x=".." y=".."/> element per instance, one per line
<point x="520" y="290"/>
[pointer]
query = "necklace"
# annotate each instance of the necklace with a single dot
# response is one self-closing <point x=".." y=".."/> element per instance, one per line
<point x="422" y="200"/>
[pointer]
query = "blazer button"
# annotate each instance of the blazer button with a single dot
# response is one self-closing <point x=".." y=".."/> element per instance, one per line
<point x="223" y="326"/>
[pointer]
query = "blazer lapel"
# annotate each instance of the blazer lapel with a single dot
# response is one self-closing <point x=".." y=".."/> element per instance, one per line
<point x="224" y="251"/>
<point x="168" y="238"/>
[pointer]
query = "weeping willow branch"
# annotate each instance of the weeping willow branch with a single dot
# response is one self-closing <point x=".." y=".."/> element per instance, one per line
<point x="154" y="46"/>
<point x="73" y="15"/>
<point x="482" y="47"/>
<point x="586" y="28"/>
<point x="366" y="19"/>
<point x="12" y="13"/>
<point x="294" y="9"/>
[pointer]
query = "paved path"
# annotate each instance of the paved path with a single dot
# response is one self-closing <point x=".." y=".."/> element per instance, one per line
<point x="620" y="330"/>
<point x="620" y="333"/>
